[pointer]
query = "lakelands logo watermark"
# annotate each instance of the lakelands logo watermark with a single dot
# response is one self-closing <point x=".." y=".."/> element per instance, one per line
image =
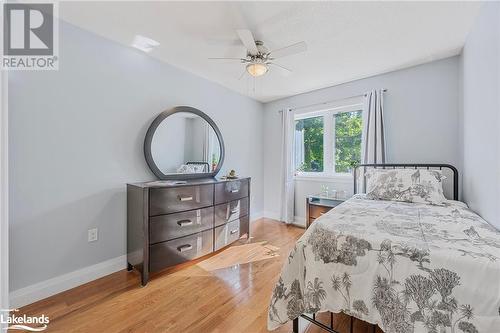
<point x="23" y="322"/>
<point x="30" y="36"/>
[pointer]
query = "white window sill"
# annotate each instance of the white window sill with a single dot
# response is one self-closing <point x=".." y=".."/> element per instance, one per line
<point x="345" y="178"/>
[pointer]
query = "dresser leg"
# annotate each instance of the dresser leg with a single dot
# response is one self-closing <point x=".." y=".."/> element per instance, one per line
<point x="144" y="279"/>
<point x="129" y="267"/>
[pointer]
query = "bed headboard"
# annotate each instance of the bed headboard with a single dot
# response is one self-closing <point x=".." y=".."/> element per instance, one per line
<point x="205" y="164"/>
<point x="450" y="184"/>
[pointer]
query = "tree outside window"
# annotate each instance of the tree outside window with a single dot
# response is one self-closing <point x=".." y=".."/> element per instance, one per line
<point x="347" y="141"/>
<point x="328" y="142"/>
<point x="309" y="143"/>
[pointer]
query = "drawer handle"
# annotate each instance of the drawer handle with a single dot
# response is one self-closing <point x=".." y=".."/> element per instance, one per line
<point x="186" y="247"/>
<point x="234" y="231"/>
<point x="185" y="223"/>
<point x="181" y="198"/>
<point x="235" y="191"/>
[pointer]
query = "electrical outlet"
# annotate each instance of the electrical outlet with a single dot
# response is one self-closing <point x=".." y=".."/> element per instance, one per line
<point x="92" y="235"/>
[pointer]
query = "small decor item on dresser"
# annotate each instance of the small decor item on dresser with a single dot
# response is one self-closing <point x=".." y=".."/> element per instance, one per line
<point x="326" y="193"/>
<point x="325" y="189"/>
<point x="342" y="195"/>
<point x="231" y="175"/>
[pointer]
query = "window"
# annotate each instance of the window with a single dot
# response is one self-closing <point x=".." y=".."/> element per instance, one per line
<point x="328" y="142"/>
<point x="347" y="140"/>
<point x="309" y="144"/>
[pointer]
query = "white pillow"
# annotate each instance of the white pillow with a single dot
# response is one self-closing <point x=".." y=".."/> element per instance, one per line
<point x="407" y="185"/>
<point x="184" y="168"/>
<point x="198" y="168"/>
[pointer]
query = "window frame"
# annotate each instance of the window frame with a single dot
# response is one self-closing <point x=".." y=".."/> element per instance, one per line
<point x="329" y="136"/>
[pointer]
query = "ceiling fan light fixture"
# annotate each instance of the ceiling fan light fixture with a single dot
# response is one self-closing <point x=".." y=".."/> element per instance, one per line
<point x="257" y="69"/>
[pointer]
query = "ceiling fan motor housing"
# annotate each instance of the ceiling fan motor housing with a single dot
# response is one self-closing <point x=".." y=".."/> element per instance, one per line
<point x="262" y="56"/>
<point x="259" y="58"/>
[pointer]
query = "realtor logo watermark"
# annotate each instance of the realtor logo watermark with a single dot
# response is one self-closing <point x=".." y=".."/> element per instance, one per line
<point x="30" y="36"/>
<point x="23" y="322"/>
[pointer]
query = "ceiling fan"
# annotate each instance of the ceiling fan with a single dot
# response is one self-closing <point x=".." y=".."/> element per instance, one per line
<point x="259" y="58"/>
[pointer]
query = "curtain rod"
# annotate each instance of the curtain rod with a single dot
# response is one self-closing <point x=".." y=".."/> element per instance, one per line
<point x="322" y="103"/>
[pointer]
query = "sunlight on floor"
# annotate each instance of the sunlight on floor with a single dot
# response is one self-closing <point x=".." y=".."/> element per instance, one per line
<point x="240" y="254"/>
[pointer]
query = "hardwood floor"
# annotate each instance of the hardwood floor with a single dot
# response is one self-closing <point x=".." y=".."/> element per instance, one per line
<point x="226" y="292"/>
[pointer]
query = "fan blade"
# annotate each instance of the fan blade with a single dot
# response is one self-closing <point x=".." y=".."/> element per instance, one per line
<point x="285" y="71"/>
<point x="247" y="39"/>
<point x="289" y="50"/>
<point x="239" y="59"/>
<point x="242" y="74"/>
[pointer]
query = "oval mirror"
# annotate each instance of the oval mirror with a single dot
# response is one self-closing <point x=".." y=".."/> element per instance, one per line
<point x="184" y="143"/>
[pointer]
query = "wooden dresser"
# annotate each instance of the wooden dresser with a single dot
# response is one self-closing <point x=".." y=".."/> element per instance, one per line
<point x="169" y="223"/>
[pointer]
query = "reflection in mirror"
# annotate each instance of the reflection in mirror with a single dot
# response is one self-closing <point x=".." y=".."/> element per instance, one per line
<point x="185" y="143"/>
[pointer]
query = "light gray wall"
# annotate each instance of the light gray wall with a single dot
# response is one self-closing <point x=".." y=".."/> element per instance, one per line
<point x="168" y="146"/>
<point x="76" y="138"/>
<point x="421" y="114"/>
<point x="196" y="132"/>
<point x="480" y="115"/>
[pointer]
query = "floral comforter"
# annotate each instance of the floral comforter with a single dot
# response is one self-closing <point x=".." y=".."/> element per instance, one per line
<point x="407" y="267"/>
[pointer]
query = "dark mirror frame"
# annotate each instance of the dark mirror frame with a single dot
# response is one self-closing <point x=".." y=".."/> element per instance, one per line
<point x="181" y="176"/>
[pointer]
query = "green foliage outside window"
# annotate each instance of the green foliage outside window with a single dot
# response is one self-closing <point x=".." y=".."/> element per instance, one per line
<point x="312" y="129"/>
<point x="348" y="130"/>
<point x="347" y="136"/>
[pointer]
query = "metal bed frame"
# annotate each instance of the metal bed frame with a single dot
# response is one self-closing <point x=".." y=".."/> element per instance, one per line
<point x="330" y="329"/>
<point x="407" y="166"/>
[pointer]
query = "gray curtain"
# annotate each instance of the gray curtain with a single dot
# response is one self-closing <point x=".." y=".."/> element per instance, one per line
<point x="287" y="168"/>
<point x="373" y="138"/>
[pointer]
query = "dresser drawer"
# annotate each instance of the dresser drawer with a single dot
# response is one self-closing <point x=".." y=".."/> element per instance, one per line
<point x="180" y="250"/>
<point x="231" y="190"/>
<point x="230" y="211"/>
<point x="226" y="234"/>
<point x="178" y="199"/>
<point x="317" y="211"/>
<point x="167" y="227"/>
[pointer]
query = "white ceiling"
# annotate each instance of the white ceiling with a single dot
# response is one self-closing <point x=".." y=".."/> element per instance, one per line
<point x="346" y="40"/>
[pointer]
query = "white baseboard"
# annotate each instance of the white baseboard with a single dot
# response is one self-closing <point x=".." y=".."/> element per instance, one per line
<point x="47" y="288"/>
<point x="58" y="284"/>
<point x="256" y="216"/>
<point x="299" y="221"/>
<point x="271" y="215"/>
